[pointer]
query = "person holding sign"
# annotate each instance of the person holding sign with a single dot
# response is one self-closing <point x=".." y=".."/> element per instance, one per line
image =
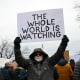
<point x="39" y="65"/>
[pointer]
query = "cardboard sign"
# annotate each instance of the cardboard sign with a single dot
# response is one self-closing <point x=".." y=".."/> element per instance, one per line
<point x="45" y="25"/>
<point x="66" y="55"/>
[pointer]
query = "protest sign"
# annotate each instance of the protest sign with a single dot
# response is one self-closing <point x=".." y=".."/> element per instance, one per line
<point x="66" y="55"/>
<point x="44" y="25"/>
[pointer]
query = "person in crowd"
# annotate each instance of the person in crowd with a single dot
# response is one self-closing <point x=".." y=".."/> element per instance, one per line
<point x="76" y="75"/>
<point x="7" y="72"/>
<point x="38" y="64"/>
<point x="64" y="70"/>
<point x="1" y="75"/>
<point x="23" y="74"/>
<point x="72" y="63"/>
<point x="55" y="73"/>
<point x="16" y="73"/>
<point x="19" y="73"/>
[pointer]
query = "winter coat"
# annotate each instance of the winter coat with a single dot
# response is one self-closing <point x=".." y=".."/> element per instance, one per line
<point x="64" y="70"/>
<point x="16" y="73"/>
<point x="77" y="71"/>
<point x="1" y="75"/>
<point x="23" y="74"/>
<point x="7" y="73"/>
<point x="43" y="71"/>
<point x="19" y="74"/>
<point x="56" y="76"/>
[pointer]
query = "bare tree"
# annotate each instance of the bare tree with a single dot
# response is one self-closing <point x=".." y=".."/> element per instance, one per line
<point x="6" y="49"/>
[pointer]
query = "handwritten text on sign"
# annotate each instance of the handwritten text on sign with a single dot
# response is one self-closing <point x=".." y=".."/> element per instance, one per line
<point x="43" y="25"/>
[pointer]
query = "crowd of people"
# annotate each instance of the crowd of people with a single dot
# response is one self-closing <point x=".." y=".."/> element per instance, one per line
<point x="40" y="66"/>
<point x="9" y="72"/>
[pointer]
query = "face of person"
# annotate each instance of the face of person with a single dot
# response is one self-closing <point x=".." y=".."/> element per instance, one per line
<point x="38" y="57"/>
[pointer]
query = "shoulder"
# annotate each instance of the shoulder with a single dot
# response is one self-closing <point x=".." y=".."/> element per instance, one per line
<point x="68" y="66"/>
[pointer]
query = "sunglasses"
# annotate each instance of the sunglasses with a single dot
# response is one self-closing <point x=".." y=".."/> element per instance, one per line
<point x="38" y="54"/>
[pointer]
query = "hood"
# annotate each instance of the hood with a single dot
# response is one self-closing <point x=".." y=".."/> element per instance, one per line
<point x="40" y="50"/>
<point x="62" y="62"/>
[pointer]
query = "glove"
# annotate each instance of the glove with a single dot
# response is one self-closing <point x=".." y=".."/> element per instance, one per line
<point x="65" y="38"/>
<point x="17" y="42"/>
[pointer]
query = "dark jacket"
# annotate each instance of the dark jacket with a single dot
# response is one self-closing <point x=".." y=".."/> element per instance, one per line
<point x="76" y="75"/>
<point x="1" y="75"/>
<point x="43" y="72"/>
<point x="16" y="73"/>
<point x="7" y="73"/>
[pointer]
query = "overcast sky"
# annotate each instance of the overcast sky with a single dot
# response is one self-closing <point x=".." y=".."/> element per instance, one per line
<point x="8" y="20"/>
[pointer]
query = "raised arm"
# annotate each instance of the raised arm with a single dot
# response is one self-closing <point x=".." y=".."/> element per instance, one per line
<point x="18" y="56"/>
<point x="60" y="51"/>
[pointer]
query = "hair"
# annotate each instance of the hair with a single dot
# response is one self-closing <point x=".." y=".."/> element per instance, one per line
<point x="72" y="62"/>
